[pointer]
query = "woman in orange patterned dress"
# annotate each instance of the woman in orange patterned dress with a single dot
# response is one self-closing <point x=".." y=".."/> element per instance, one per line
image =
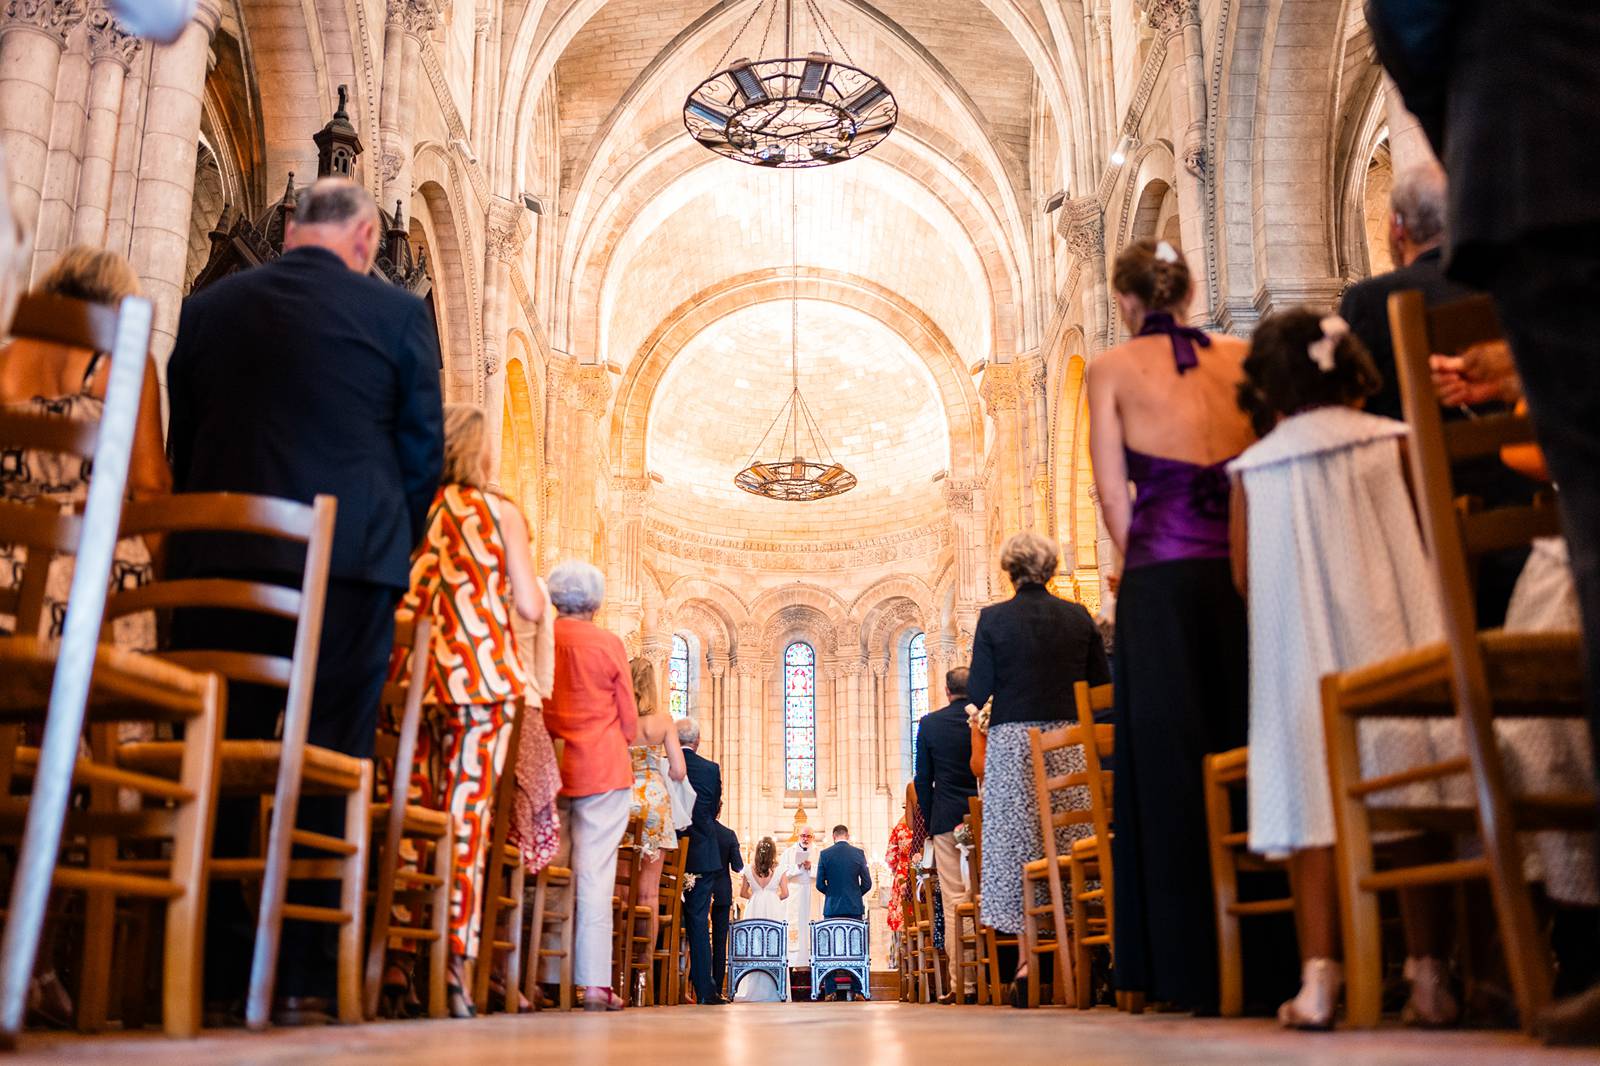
<point x="470" y="571"/>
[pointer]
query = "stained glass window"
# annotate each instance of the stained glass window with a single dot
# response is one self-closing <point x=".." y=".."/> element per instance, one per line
<point x="800" y="718"/>
<point x="678" y="678"/>
<point x="917" y="682"/>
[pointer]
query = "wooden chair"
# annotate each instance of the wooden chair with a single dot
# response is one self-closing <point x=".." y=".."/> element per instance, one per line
<point x="625" y="905"/>
<point x="902" y="942"/>
<point x="927" y="971"/>
<point x="1094" y="909"/>
<point x="1225" y="775"/>
<point x="395" y="819"/>
<point x="967" y="938"/>
<point x="503" y="882"/>
<point x="281" y="770"/>
<point x="1037" y="919"/>
<point x="1471" y="676"/>
<point x="666" y="980"/>
<point x="83" y="679"/>
<point x="991" y="938"/>
<point x="553" y="906"/>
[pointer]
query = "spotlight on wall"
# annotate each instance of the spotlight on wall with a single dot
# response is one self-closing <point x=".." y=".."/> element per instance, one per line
<point x="159" y="20"/>
<point x="1053" y="204"/>
<point x="461" y="145"/>
<point x="1119" y="154"/>
<point x="533" y="203"/>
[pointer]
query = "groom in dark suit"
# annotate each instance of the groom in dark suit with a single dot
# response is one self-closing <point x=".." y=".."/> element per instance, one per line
<point x="705" y="861"/>
<point x="843" y="878"/>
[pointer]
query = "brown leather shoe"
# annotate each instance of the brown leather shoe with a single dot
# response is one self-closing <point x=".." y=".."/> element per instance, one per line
<point x="302" y="1010"/>
<point x="1574" y="1021"/>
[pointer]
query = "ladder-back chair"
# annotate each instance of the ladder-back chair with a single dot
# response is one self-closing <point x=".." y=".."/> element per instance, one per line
<point x="1471" y="676"/>
<point x="82" y="679"/>
<point x="967" y="940"/>
<point x="504" y="878"/>
<point x="1089" y="861"/>
<point x="666" y="980"/>
<point x="1051" y="916"/>
<point x="395" y="819"/>
<point x="281" y="770"/>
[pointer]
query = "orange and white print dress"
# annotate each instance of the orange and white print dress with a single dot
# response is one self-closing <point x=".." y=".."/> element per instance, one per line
<point x="459" y="579"/>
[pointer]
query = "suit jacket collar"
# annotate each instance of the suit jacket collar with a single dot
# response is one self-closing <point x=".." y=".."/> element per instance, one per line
<point x="310" y="253"/>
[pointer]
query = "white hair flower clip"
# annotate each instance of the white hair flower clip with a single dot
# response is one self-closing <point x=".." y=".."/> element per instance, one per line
<point x="1166" y="253"/>
<point x="1321" y="351"/>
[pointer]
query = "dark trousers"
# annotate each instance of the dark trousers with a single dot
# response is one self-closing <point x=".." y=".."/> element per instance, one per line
<point x="357" y="637"/>
<point x="1548" y="293"/>
<point x="697" y="923"/>
<point x="721" y="912"/>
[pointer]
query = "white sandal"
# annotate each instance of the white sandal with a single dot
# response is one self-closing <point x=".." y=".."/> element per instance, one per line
<point x="1313" y="1008"/>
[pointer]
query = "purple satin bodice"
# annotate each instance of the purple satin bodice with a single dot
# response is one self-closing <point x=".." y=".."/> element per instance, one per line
<point x="1179" y="512"/>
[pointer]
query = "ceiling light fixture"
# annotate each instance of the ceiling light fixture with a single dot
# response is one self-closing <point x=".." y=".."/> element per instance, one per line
<point x="795" y="112"/>
<point x="782" y="471"/>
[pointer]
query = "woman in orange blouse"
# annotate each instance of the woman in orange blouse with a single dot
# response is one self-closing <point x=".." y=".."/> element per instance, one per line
<point x="592" y="709"/>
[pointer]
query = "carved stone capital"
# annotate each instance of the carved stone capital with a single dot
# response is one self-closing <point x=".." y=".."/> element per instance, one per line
<point x="1168" y="16"/>
<point x="958" y="495"/>
<point x="1082" y="226"/>
<point x="1194" y="159"/>
<point x="420" y="17"/>
<point x="504" y="242"/>
<point x="110" y="40"/>
<point x="53" y="18"/>
<point x="634" y="492"/>
<point x="589" y="390"/>
<point x="1000" y="391"/>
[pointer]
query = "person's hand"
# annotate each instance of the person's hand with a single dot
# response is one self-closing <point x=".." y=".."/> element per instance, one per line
<point x="1114" y="582"/>
<point x="1484" y="373"/>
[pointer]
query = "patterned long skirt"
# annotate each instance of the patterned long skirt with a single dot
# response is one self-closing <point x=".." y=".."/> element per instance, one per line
<point x="1011" y="836"/>
<point x="461" y="750"/>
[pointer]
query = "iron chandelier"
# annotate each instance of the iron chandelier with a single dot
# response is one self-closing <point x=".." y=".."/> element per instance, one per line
<point x="787" y="473"/>
<point x="790" y="113"/>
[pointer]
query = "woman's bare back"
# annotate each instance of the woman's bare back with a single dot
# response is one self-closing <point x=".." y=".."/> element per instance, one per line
<point x="1193" y="417"/>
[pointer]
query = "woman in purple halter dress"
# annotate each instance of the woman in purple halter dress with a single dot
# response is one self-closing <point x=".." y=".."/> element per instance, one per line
<point x="1163" y="415"/>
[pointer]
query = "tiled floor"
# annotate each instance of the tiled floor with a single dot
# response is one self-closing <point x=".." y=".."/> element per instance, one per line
<point x="858" y="1034"/>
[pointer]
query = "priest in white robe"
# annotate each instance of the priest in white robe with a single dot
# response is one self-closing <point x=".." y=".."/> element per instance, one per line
<point x="799" y="866"/>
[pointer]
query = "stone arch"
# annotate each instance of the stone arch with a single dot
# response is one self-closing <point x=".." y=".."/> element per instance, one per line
<point x="438" y="198"/>
<point x="522" y="448"/>
<point x="823" y="603"/>
<point x="631" y="411"/>
<point x="1362" y="180"/>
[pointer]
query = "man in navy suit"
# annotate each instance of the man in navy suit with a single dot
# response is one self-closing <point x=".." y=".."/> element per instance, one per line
<point x="301" y="377"/>
<point x="944" y="785"/>
<point x="843" y="878"/>
<point x="731" y="862"/>
<point x="704" y="861"/>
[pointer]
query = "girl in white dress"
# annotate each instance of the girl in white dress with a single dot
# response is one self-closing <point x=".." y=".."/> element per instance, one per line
<point x="1327" y="550"/>
<point x="766" y="888"/>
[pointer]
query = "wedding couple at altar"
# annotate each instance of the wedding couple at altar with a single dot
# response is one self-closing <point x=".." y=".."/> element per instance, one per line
<point x="781" y="890"/>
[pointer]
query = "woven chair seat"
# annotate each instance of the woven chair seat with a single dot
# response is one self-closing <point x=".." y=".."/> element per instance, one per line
<point x="251" y="766"/>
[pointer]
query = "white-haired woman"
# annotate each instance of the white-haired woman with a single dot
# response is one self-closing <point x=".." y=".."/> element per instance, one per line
<point x="472" y="569"/>
<point x="1027" y="655"/>
<point x="593" y="711"/>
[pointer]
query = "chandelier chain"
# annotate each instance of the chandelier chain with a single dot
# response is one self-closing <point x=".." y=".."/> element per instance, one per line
<point x="825" y="29"/>
<point x="752" y="17"/>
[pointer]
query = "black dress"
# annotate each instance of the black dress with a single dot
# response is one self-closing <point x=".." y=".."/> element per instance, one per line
<point x="1182" y="692"/>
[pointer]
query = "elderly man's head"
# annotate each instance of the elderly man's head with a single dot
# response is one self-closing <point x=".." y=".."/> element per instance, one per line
<point x="1418" y="201"/>
<point x="340" y="216"/>
<point x="689" y="733"/>
<point x="577" y="589"/>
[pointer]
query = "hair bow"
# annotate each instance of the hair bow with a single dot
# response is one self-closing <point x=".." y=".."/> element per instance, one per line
<point x="1322" y="350"/>
<point x="1166" y="253"/>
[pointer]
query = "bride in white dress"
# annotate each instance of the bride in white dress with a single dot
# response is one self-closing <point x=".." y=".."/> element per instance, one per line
<point x="766" y="888"/>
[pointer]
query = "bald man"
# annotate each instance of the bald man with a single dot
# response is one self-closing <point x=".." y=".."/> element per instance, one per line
<point x="306" y="375"/>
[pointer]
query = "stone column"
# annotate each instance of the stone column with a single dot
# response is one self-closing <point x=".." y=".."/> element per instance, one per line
<point x="722" y="728"/>
<point x="1082" y="226"/>
<point x="484" y="75"/>
<point x="1002" y="399"/>
<point x="1177" y="24"/>
<point x="1108" y="73"/>
<point x="506" y="233"/>
<point x="32" y="36"/>
<point x="165" y="193"/>
<point x="111" y="53"/>
<point x="588" y="394"/>
<point x="1032" y="381"/>
<point x="406" y="23"/>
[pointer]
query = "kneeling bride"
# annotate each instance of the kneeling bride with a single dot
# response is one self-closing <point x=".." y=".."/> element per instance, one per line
<point x="766" y="888"/>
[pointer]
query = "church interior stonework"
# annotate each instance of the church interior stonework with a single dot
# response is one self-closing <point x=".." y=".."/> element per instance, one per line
<point x="641" y="319"/>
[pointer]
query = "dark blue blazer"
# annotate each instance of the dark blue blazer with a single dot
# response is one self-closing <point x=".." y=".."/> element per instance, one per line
<point x="732" y="861"/>
<point x="302" y="377"/>
<point x="844" y="880"/>
<point x="705" y="849"/>
<point x="944" y="767"/>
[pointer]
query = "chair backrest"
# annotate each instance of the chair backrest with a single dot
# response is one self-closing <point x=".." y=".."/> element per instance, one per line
<point x="975" y="823"/>
<point x="672" y="883"/>
<point x="1046" y="786"/>
<point x="42" y="529"/>
<point x="401" y="702"/>
<point x="1090" y="701"/>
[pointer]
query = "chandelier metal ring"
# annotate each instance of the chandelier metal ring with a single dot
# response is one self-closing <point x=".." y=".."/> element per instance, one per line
<point x="791" y="113"/>
<point x="797" y="480"/>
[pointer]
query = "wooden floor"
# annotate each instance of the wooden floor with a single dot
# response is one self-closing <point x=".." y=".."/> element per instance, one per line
<point x="855" y="1034"/>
